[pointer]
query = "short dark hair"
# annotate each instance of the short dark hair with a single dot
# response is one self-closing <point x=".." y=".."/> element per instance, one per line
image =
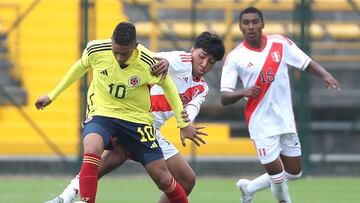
<point x="251" y="10"/>
<point x="211" y="43"/>
<point x="124" y="33"/>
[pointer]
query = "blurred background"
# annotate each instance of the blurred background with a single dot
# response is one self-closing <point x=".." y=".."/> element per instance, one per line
<point x="41" y="39"/>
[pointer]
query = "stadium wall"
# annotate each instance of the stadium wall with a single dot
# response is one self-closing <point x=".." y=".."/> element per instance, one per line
<point x="49" y="41"/>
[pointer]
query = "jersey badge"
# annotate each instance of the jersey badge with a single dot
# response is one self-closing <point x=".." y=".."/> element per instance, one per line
<point x="134" y="81"/>
<point x="186" y="79"/>
<point x="275" y="56"/>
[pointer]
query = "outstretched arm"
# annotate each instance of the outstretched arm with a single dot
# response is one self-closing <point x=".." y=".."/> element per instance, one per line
<point x="76" y="71"/>
<point x="318" y="70"/>
<point x="187" y="130"/>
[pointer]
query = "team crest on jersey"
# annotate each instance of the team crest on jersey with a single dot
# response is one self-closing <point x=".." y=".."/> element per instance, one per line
<point x="134" y="81"/>
<point x="275" y="56"/>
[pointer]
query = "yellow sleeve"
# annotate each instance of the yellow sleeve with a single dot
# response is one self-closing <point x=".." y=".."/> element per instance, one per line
<point x="172" y="95"/>
<point x="76" y="71"/>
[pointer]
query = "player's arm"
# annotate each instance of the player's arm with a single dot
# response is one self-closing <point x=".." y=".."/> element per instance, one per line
<point x="187" y="130"/>
<point x="77" y="70"/>
<point x="297" y="58"/>
<point x="228" y="97"/>
<point x="172" y="95"/>
<point x="160" y="67"/>
<point x="318" y="70"/>
<point x="193" y="107"/>
<point x="229" y="77"/>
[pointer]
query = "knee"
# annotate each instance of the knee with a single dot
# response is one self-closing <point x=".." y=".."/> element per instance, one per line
<point x="93" y="144"/>
<point x="293" y="177"/>
<point x="165" y="182"/>
<point x="188" y="183"/>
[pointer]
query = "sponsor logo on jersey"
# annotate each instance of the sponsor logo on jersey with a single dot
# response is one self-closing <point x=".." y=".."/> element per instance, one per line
<point x="134" y="81"/>
<point x="154" y="145"/>
<point x="186" y="79"/>
<point x="250" y="65"/>
<point x="104" y="72"/>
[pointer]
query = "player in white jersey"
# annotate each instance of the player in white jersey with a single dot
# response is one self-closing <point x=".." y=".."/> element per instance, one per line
<point x="261" y="62"/>
<point x="187" y="71"/>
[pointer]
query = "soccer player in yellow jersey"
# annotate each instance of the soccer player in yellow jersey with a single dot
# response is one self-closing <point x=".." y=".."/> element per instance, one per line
<point x="121" y="108"/>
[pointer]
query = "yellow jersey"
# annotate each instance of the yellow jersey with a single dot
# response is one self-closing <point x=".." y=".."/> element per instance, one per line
<point x="120" y="93"/>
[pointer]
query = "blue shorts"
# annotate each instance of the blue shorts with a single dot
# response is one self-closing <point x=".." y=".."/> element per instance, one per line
<point x="138" y="139"/>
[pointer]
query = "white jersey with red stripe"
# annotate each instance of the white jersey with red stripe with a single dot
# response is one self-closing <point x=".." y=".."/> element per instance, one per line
<point x="271" y="113"/>
<point x="192" y="91"/>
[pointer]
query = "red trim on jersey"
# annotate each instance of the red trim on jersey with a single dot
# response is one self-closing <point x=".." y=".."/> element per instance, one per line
<point x="255" y="49"/>
<point x="283" y="38"/>
<point x="159" y="102"/>
<point x="271" y="65"/>
<point x="186" y="57"/>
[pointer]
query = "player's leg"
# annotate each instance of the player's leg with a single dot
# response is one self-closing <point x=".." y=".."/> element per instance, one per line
<point x="146" y="150"/>
<point x="93" y="146"/>
<point x="183" y="174"/>
<point x="160" y="174"/>
<point x="268" y="150"/>
<point x="97" y="133"/>
<point x="278" y="182"/>
<point x="177" y="165"/>
<point x="110" y="160"/>
<point x="291" y="156"/>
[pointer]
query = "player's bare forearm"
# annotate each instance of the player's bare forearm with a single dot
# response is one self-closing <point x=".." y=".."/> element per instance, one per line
<point x="329" y="80"/>
<point x="232" y="97"/>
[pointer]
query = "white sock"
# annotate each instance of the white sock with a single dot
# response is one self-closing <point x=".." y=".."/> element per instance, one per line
<point x="263" y="181"/>
<point x="259" y="183"/>
<point x="71" y="191"/>
<point x="279" y="188"/>
<point x="292" y="177"/>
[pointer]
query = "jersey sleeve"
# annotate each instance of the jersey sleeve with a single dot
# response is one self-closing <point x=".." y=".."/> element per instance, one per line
<point x="193" y="107"/>
<point x="75" y="72"/>
<point x="172" y="95"/>
<point x="229" y="74"/>
<point x="294" y="56"/>
<point x="176" y="60"/>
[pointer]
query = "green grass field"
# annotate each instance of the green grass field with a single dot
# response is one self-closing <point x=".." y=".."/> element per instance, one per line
<point x="207" y="190"/>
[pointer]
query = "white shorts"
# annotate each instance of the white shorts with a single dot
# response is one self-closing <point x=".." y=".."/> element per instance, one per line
<point x="167" y="148"/>
<point x="268" y="149"/>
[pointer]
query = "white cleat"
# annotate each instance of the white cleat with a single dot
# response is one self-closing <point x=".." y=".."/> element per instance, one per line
<point x="246" y="197"/>
<point x="56" y="200"/>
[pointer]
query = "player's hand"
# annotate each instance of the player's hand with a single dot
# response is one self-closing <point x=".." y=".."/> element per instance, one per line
<point x="192" y="133"/>
<point x="160" y="68"/>
<point x="185" y="116"/>
<point x="42" y="102"/>
<point x="252" y="91"/>
<point x="331" y="82"/>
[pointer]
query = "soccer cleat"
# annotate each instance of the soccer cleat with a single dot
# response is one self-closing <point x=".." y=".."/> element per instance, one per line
<point x="56" y="200"/>
<point x="246" y="197"/>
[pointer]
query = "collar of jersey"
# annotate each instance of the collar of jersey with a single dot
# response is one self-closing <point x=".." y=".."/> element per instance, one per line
<point x="133" y="58"/>
<point x="254" y="49"/>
